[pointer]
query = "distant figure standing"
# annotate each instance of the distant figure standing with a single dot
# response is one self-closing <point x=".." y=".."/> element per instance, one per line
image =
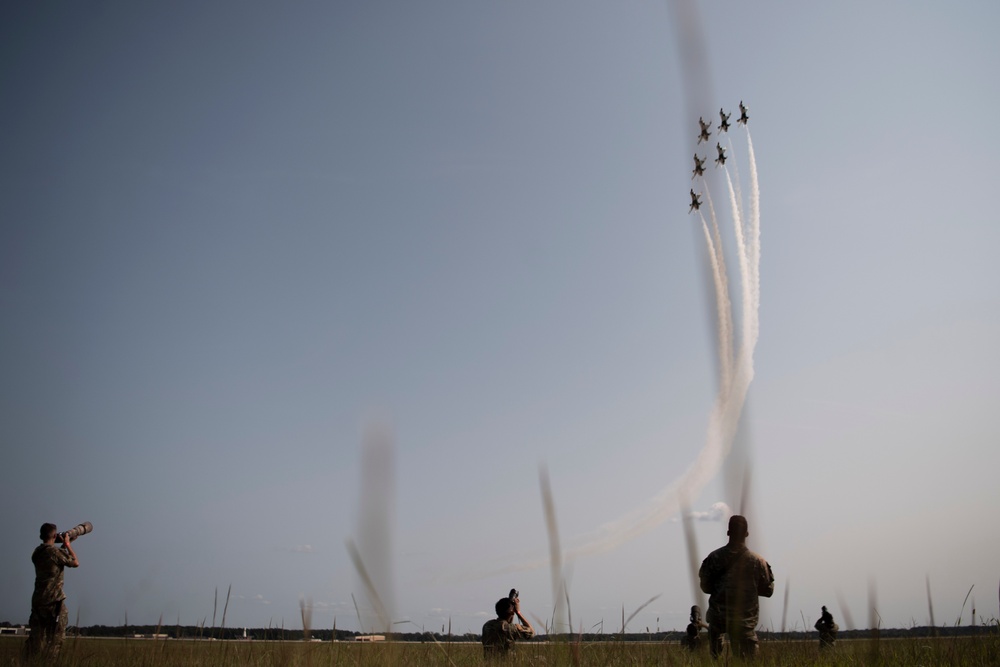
<point x="500" y="633"/>
<point x="827" y="630"/>
<point x="734" y="577"/>
<point x="48" y="603"/>
<point x="692" y="640"/>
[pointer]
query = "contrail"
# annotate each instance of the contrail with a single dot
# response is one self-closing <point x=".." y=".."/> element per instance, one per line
<point x="736" y="376"/>
<point x="754" y="231"/>
<point x="724" y="319"/>
<point x="722" y="305"/>
<point x="736" y="176"/>
<point x="744" y="256"/>
<point x="728" y="406"/>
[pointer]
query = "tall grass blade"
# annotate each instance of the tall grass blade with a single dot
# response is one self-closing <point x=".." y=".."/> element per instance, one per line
<point x="930" y="605"/>
<point x="691" y="542"/>
<point x="226" y="607"/>
<point x="555" y="550"/>
<point x="305" y="609"/>
<point x="844" y="611"/>
<point x="373" y="595"/>
<point x="641" y="607"/>
<point x="361" y="626"/>
<point x="784" y="609"/>
<point x="962" y="611"/>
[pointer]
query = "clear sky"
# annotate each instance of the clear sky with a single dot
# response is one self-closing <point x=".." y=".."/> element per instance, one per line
<point x="235" y="237"/>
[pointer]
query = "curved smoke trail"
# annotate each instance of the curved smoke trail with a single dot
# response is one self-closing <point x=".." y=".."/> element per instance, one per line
<point x="727" y="408"/>
<point x="723" y="306"/>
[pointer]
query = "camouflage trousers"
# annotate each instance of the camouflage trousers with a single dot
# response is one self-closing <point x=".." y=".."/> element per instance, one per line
<point x="742" y="639"/>
<point x="48" y="629"/>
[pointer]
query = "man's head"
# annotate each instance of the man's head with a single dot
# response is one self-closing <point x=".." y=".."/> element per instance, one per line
<point x="738" y="528"/>
<point x="505" y="609"/>
<point x="47" y="532"/>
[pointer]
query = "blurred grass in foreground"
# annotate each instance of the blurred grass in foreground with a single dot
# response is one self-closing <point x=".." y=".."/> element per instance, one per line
<point x="963" y="651"/>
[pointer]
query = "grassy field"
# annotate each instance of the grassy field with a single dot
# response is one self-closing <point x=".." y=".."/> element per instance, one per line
<point x="967" y="651"/>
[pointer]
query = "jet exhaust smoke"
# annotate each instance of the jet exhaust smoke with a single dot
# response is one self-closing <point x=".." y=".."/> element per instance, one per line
<point x="736" y="373"/>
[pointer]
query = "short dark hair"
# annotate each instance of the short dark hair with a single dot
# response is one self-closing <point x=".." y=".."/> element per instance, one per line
<point x="504" y="606"/>
<point x="738" y="526"/>
<point x="47" y="531"/>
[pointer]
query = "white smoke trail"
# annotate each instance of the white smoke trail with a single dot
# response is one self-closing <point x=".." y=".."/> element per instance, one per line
<point x="754" y="232"/>
<point x="736" y="177"/>
<point x="744" y="257"/>
<point x="724" y="308"/>
<point x="728" y="406"/>
<point x="727" y="409"/>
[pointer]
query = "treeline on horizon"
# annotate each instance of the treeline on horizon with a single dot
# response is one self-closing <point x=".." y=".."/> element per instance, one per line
<point x="284" y="634"/>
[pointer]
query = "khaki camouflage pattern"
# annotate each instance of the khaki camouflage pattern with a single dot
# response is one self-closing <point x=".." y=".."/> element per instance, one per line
<point x="692" y="637"/>
<point x="49" y="562"/>
<point x="499" y="636"/>
<point x="827" y="632"/>
<point x="734" y="577"/>
<point x="48" y="630"/>
<point x="48" y="610"/>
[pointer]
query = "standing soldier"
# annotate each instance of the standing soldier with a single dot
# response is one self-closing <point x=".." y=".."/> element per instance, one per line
<point x="827" y="630"/>
<point x="734" y="577"/>
<point x="48" y="602"/>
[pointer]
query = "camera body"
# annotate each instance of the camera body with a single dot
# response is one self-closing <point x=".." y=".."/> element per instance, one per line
<point x="513" y="594"/>
<point x="75" y="532"/>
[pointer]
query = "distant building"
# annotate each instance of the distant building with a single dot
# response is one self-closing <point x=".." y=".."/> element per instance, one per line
<point x="19" y="630"/>
<point x="370" y="638"/>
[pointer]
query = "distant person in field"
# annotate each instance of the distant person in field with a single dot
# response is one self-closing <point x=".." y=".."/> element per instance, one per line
<point x="48" y="603"/>
<point x="827" y="630"/>
<point x="692" y="639"/>
<point x="500" y="633"/>
<point x="734" y="577"/>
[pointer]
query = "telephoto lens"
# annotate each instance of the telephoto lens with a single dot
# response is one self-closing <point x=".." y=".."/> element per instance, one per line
<point x="76" y="531"/>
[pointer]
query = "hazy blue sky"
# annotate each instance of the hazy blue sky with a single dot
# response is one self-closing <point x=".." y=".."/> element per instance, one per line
<point x="237" y="235"/>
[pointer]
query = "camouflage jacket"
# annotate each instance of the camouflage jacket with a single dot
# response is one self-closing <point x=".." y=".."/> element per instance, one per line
<point x="499" y="636"/>
<point x="734" y="576"/>
<point x="49" y="562"/>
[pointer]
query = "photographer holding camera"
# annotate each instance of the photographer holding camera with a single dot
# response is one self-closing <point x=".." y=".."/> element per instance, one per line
<point x="48" y="607"/>
<point x="500" y="633"/>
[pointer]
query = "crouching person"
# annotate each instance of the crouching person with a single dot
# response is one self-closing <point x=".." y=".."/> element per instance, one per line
<point x="500" y="633"/>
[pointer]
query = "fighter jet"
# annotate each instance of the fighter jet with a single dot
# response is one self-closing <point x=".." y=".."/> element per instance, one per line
<point x="695" y="202"/>
<point x="699" y="166"/>
<point x="743" y="114"/>
<point x="706" y="130"/>
<point x="721" y="160"/>
<point x="724" y="125"/>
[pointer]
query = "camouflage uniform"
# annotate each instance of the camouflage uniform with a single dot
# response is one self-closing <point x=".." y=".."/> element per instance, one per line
<point x="48" y="609"/>
<point x="734" y="576"/>
<point x="499" y="637"/>
<point x="692" y="639"/>
<point x="827" y="630"/>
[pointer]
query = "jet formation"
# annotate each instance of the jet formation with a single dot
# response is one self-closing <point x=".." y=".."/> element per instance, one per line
<point x="703" y="135"/>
